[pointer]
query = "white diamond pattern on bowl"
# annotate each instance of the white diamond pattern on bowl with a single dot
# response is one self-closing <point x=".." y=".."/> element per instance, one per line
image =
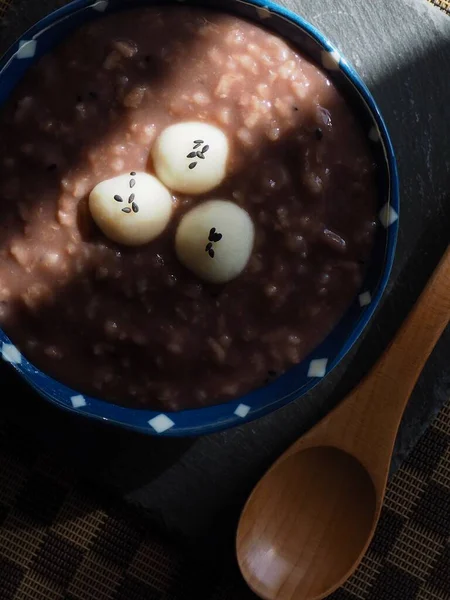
<point x="387" y="215"/>
<point x="11" y="354"/>
<point x="317" y="367"/>
<point x="161" y="423"/>
<point x="242" y="410"/>
<point x="365" y="299"/>
<point x="374" y="134"/>
<point x="101" y="5"/>
<point x="27" y="49"/>
<point x="263" y="12"/>
<point x="331" y="60"/>
<point x="78" y="401"/>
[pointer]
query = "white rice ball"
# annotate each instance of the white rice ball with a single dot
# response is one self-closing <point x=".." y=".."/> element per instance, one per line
<point x="215" y="240"/>
<point x="131" y="209"/>
<point x="191" y="157"/>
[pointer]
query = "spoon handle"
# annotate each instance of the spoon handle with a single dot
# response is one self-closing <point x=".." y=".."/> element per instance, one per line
<point x="366" y="423"/>
<point x="400" y="366"/>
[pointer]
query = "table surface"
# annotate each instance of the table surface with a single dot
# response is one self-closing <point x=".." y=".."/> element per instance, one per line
<point x="402" y="50"/>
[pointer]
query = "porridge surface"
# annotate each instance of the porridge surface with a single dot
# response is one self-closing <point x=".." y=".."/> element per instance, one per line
<point x="132" y="325"/>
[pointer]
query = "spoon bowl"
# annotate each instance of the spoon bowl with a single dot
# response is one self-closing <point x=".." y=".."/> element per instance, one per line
<point x="309" y="521"/>
<point x="300" y="562"/>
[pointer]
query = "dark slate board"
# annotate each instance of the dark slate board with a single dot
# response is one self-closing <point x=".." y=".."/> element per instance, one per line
<point x="190" y="487"/>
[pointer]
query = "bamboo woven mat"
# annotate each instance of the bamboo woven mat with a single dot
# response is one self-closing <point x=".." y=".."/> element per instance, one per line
<point x="60" y="539"/>
<point x="442" y="4"/>
<point x="4" y="5"/>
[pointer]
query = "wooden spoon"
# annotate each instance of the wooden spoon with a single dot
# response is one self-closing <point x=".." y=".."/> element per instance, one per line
<point x="310" y="519"/>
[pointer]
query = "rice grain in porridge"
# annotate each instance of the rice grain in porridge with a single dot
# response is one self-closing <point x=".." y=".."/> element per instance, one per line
<point x="132" y="325"/>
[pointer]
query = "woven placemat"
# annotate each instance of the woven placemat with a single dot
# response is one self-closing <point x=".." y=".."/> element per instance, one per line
<point x="442" y="4"/>
<point x="4" y="5"/>
<point x="62" y="539"/>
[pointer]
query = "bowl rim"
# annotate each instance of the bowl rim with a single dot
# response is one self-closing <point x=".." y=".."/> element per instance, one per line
<point x="209" y="419"/>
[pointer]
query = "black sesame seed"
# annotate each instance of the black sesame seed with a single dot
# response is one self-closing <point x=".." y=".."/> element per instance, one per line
<point x="319" y="133"/>
<point x="192" y="165"/>
<point x="217" y="237"/>
<point x="205" y="149"/>
<point x="132" y="183"/>
<point x="212" y="231"/>
<point x="295" y="107"/>
<point x="208" y="247"/>
<point x="133" y="173"/>
<point x="135" y="207"/>
<point x="200" y="155"/>
<point x="199" y="142"/>
<point x="131" y="198"/>
<point x="191" y="155"/>
<point x="211" y="253"/>
<point x="52" y="167"/>
<point x="118" y="198"/>
<point x="127" y="209"/>
<point x="197" y="146"/>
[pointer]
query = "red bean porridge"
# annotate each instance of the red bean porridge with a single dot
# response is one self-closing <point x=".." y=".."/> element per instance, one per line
<point x="132" y="325"/>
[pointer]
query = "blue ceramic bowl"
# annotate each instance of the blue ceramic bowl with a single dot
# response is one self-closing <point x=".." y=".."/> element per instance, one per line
<point x="301" y="378"/>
